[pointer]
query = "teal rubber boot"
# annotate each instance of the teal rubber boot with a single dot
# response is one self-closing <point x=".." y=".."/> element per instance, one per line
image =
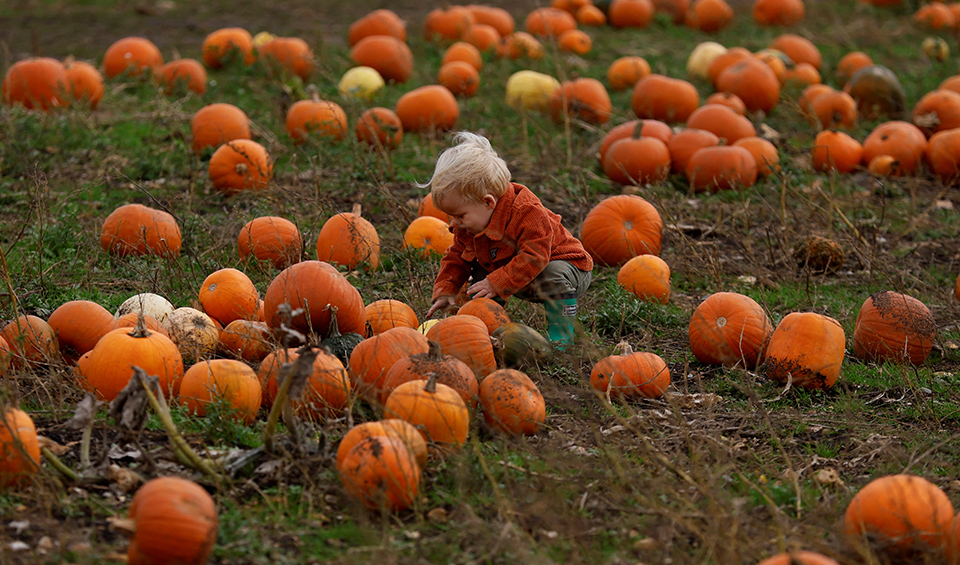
<point x="561" y="315"/>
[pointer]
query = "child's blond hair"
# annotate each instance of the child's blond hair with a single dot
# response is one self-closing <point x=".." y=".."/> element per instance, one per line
<point x="471" y="168"/>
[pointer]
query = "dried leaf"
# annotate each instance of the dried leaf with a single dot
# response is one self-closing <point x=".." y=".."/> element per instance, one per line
<point x="828" y="476"/>
<point x="124" y="479"/>
<point x="299" y="371"/>
<point x="53" y="446"/>
<point x="130" y="409"/>
<point x="85" y="413"/>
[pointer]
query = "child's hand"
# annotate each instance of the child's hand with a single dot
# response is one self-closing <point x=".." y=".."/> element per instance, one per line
<point x="482" y="289"/>
<point x="441" y="302"/>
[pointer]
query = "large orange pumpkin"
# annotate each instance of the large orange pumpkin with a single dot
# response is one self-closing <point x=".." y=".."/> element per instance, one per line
<point x="32" y="341"/>
<point x="722" y="167"/>
<point x="38" y="82"/>
<point x="806" y="349"/>
<point x="388" y="55"/>
<point x="490" y="312"/>
<point x="393" y="427"/>
<point x="176" y="522"/>
<point x="893" y="326"/>
<point x="182" y="75"/>
<point x="85" y="81"/>
<point x="377" y="22"/>
<point x="621" y="227"/>
<point x="380" y="472"/>
<point x="311" y="286"/>
<point x="427" y="109"/>
<point x="289" y="55"/>
<point x="135" y="56"/>
<point x="901" y="140"/>
<point x="729" y="329"/>
<point x="630" y="374"/>
<point x="108" y="370"/>
<point x="221" y="380"/>
<point x="836" y="150"/>
<point x="316" y="119"/>
<point x="215" y="124"/>
<point x="435" y="409"/>
<point x="135" y="229"/>
<point x="228" y="295"/>
<point x="79" y="325"/>
<point x="685" y="143"/>
<point x="467" y="339"/>
<point x="647" y="277"/>
<point x="226" y="45"/>
<point x="388" y="313"/>
<point x="373" y="357"/>
<point x="753" y="81"/>
<point x="723" y="121"/>
<point x="238" y="165"/>
<point x="664" y="98"/>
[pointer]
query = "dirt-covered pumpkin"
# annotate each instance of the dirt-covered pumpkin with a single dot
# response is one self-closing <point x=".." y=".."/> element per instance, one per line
<point x="380" y="472"/>
<point x="511" y="403"/>
<point x="435" y="409"/>
<point x="893" y="326"/>
<point x="418" y="367"/>
<point x="176" y="522"/>
<point x="393" y="427"/>
<point x="806" y="349"/>
<point x="195" y="333"/>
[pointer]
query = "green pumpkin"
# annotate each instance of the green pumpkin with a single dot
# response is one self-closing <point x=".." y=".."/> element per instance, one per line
<point x="340" y="345"/>
<point x="878" y="93"/>
<point x="519" y="345"/>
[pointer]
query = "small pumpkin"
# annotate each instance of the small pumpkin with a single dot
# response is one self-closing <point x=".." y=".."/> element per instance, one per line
<point x="754" y="82"/>
<point x="215" y="124"/>
<point x="836" y="150"/>
<point x="518" y="346"/>
<point x="377" y="22"/>
<point x="36" y="83"/>
<point x="222" y="47"/>
<point x="380" y="127"/>
<point x="685" y="143"/>
<point x="623" y="73"/>
<point x="360" y="83"/>
<point x="630" y="374"/>
<point x="723" y="121"/>
<point x="388" y="313"/>
<point x="238" y="165"/>
<point x="340" y="345"/>
<point x="289" y="55"/>
<point x="380" y="472"/>
<point x="419" y="366"/>
<point x="435" y="409"/>
<point x="428" y="108"/>
<point x="86" y="82"/>
<point x="272" y="239"/>
<point x="892" y="326"/>
<point x="805" y="349"/>
<point x="221" y="380"/>
<point x="647" y="277"/>
<point x="878" y="93"/>
<point x="135" y="229"/>
<point x="316" y="119"/>
<point x="32" y="341"/>
<point x="148" y="303"/>
<point x="850" y="64"/>
<point x="348" y="239"/>
<point x="723" y="167"/>
<point x="176" y="522"/>
<point x="385" y="54"/>
<point x="133" y="56"/>
<point x="248" y="340"/>
<point x="463" y="52"/>
<point x="729" y="329"/>
<point x="709" y="16"/>
<point x="764" y="153"/>
<point x="637" y="160"/>
<point x="903" y="141"/>
<point x="549" y="22"/>
<point x="630" y="13"/>
<point x="182" y="75"/>
<point x="511" y="403"/>
<point x="483" y="37"/>
<point x="663" y="98"/>
<point x="621" y="227"/>
<point x="447" y="23"/>
<point x="19" y="449"/>
<point x="701" y="56"/>
<point x="195" y="333"/>
<point x="460" y="78"/>
<point x="429" y="234"/>
<point x="530" y="90"/>
<point x="229" y="294"/>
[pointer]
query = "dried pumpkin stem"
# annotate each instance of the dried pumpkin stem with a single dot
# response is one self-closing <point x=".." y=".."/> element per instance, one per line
<point x="283" y="397"/>
<point x="85" y="445"/>
<point x="59" y="465"/>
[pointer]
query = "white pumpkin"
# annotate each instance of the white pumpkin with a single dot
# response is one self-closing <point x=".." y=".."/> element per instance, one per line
<point x="360" y="82"/>
<point x="149" y="303"/>
<point x="700" y="58"/>
<point x="530" y="90"/>
<point x="195" y="333"/>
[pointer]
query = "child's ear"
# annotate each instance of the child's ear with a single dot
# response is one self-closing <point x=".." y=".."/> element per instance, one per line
<point x="490" y="201"/>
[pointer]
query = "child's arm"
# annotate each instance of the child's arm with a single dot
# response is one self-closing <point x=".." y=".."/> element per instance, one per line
<point x="440" y="303"/>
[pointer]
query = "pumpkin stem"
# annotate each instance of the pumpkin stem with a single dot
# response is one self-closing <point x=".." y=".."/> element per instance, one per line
<point x="140" y="328"/>
<point x="431" y="385"/>
<point x="357" y="209"/>
<point x="434" y="351"/>
<point x="637" y="130"/>
<point x="313" y="92"/>
<point x="334" y="329"/>
<point x="624" y="348"/>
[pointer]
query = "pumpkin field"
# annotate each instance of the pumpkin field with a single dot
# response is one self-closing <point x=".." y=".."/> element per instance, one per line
<point x="217" y="257"/>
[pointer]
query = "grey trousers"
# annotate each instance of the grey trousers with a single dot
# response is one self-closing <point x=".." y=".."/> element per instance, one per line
<point x="559" y="279"/>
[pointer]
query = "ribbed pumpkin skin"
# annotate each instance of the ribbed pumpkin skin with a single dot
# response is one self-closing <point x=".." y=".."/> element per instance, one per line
<point x="313" y="285"/>
<point x="36" y="83"/>
<point x="440" y="415"/>
<point x="176" y="523"/>
<point x="316" y="119"/>
<point x="31" y="340"/>
<point x="373" y="357"/>
<point x="215" y="124"/>
<point x="135" y="229"/>
<point x="388" y="313"/>
<point x="79" y="325"/>
<point x="247" y="339"/>
<point x="900" y="515"/>
<point x="685" y="143"/>
<point x="583" y="99"/>
<point x="449" y="370"/>
<point x="723" y="167"/>
<point x="228" y="294"/>
<point x="380" y="472"/>
<point x="892" y="326"/>
<point x="221" y="379"/>
<point x="643" y="160"/>
<point x="428" y="108"/>
<point x="729" y="329"/>
<point x="467" y="339"/>
<point x="393" y="427"/>
<point x="108" y="368"/>
<point x="271" y="238"/>
<point x="490" y="312"/>
<point x="511" y="402"/>
<point x="19" y="450"/>
<point x="348" y="239"/>
<point x="723" y="121"/>
<point x="621" y="227"/>
<point x="634" y="374"/>
<point x="241" y="164"/>
<point x="807" y="349"/>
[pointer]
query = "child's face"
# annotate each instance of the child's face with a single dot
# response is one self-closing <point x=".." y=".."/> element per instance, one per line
<point x="467" y="214"/>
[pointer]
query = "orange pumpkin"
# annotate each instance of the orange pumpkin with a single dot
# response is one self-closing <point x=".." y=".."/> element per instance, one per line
<point x="467" y="339"/>
<point x="130" y="319"/>
<point x="799" y="49"/>
<point x="460" y="78"/>
<point x="36" y="83"/>
<point x="637" y="160"/>
<point x="427" y="208"/>
<point x="215" y="124"/>
<point x="584" y="98"/>
<point x="312" y="286"/>
<point x="836" y="150"/>
<point x="85" y="82"/>
<point x="630" y="374"/>
<point x="464" y="52"/>
<point x="427" y="109"/>
<point x="490" y="312"/>
<point x="630" y="13"/>
<point x="764" y="153"/>
<point x="778" y="12"/>
<point x="135" y="229"/>
<point x="134" y="56"/>
<point x="621" y="227"/>
<point x="647" y="277"/>
<point x="635" y="128"/>
<point x="221" y="380"/>
<point x="799" y="558"/>
<point x="226" y="45"/>
<point x="623" y="73"/>
<point x="834" y="109"/>
<point x="317" y="118"/>
<point x="663" y="98"/>
<point x="380" y="127"/>
<point x="272" y="239"/>
<point x="447" y="23"/>
<point x="181" y="75"/>
<point x="435" y="409"/>
<point x="248" y="340"/>
<point x="79" y="325"/>
<point x="935" y="16"/>
<point x="228" y="295"/>
<point x="32" y="341"/>
<point x="729" y="100"/>
<point x="393" y="427"/>
<point x="482" y="36"/>
<point x="176" y="522"/>
<point x="849" y="64"/>
<point x="803" y="74"/>
<point x="327" y="389"/>
<point x="429" y="234"/>
<point x="685" y="143"/>
<point x="723" y="167"/>
<point x="937" y="110"/>
<point x="805" y="349"/>
<point x="380" y="472"/>
<point x="719" y="63"/>
<point x="377" y="22"/>
<point x="388" y="313"/>
<point x="348" y="239"/>
<point x="238" y="165"/>
<point x="373" y="357"/>
<point x="386" y="54"/>
<point x="420" y="366"/>
<point x="520" y="45"/>
<point x="19" y="449"/>
<point x="511" y="403"/>
<point x="943" y="155"/>
<point x="288" y="55"/>
<point x="495" y="17"/>
<point x="753" y="81"/>
<point x="893" y="326"/>
<point x="590" y="15"/>
<point x="899" y="515"/>
<point x="549" y="22"/>
<point x="108" y="370"/>
<point x="709" y="16"/>
<point x="729" y="329"/>
<point x="575" y="41"/>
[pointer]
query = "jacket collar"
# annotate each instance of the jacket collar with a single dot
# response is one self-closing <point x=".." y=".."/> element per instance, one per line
<point x="501" y="214"/>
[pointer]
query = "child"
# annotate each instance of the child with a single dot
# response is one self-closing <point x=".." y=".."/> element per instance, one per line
<point x="504" y="238"/>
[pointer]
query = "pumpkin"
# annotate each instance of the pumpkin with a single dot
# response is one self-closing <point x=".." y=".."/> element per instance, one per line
<point x="663" y="98"/>
<point x="176" y="522"/>
<point x="385" y="54"/>
<point x="428" y="208"/>
<point x="878" y="93"/>
<point x="19" y="449"/>
<point x="447" y="23"/>
<point x="647" y="277"/>
<point x="108" y="370"/>
<point x="834" y="109"/>
<point x="130" y="319"/>
<point x="135" y="229"/>
<point x="288" y="55"/>
<point x="428" y="234"/>
<point x="943" y="155"/>
<point x="238" y="165"/>
<point x="311" y="286"/>
<point x="495" y="17"/>
<point x="392" y="427"/>
<point x="463" y="52"/>
<point x="638" y="129"/>
<point x="377" y="22"/>
<point x="181" y="75"/>
<point x="340" y="345"/>
<point x="520" y="45"/>
<point x="511" y="403"/>
<point x="360" y="83"/>
<point x="799" y="49"/>
<point x="228" y="294"/>
<point x="806" y="349"/>
<point x="222" y="380"/>
<point x="380" y="127"/>
<point x="808" y="94"/>
<point x="79" y="325"/>
<point x="621" y="227"/>
<point x="327" y="388"/>
<point x="420" y="366"/>
<point x="388" y="313"/>
<point x="549" y="22"/>
<point x="799" y="558"/>
<point x="6" y="356"/>
<point x="467" y="339"/>
<point x="709" y="16"/>
<point x="937" y="110"/>
<point x="380" y="472"/>
<point x="227" y="45"/>
<point x="575" y="41"/>
<point x="133" y="56"/>
<point x="195" y="333"/>
<point x="309" y="119"/>
<point x="372" y="358"/>
<point x="630" y="13"/>
<point x="685" y="143"/>
<point x="623" y="73"/>
<point x="729" y="329"/>
<point x="722" y="167"/>
<point x="36" y="83"/>
<point x="348" y="239"/>
<point x="435" y="409"/>
<point x="272" y="239"/>
<point x="892" y="326"/>
<point x="148" y="303"/>
<point x="675" y="10"/>
<point x="590" y="15"/>
<point x="32" y="341"/>
<point x="720" y="62"/>
<point x="819" y="255"/>
<point x="849" y="64"/>
<point x="698" y="62"/>
<point x="778" y="12"/>
<point x="729" y="100"/>
<point x="802" y="74"/>
<point x="427" y="109"/>
<point x="935" y="16"/>
<point x="248" y="340"/>
<point x="630" y="374"/>
<point x="517" y="345"/>
<point x="935" y="48"/>
<point x="491" y="313"/>
<point x="899" y="515"/>
<point x="637" y="160"/>
<point x="530" y="90"/>
<point x="215" y="124"/>
<point x="836" y="150"/>
<point x="482" y="36"/>
<point x="754" y="82"/>
<point x="85" y="82"/>
<point x="460" y="78"/>
<point x="764" y="153"/>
